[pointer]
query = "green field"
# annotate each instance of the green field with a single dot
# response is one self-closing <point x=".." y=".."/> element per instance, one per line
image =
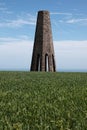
<point x="43" y="101"/>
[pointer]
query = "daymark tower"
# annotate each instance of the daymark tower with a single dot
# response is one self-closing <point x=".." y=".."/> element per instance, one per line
<point x="43" y="58"/>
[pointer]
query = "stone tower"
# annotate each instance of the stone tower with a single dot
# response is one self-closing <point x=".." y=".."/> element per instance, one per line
<point x="43" y="51"/>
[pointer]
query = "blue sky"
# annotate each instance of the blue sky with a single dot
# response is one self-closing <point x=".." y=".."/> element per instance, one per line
<point x="69" y="29"/>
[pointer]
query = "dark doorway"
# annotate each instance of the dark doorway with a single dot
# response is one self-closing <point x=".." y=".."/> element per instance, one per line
<point x="38" y="63"/>
<point x="53" y="63"/>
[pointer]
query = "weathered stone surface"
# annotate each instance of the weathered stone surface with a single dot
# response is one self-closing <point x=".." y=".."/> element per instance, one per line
<point x="43" y="52"/>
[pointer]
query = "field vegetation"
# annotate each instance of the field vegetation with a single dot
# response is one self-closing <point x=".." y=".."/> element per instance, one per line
<point x="43" y="101"/>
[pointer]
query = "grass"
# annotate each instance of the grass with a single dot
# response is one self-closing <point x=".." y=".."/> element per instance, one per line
<point x="43" y="101"/>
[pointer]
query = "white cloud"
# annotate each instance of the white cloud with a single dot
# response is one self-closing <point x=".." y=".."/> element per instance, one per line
<point x="72" y="21"/>
<point x="17" y="54"/>
<point x="19" y="20"/>
<point x="7" y="40"/>
<point x="70" y="18"/>
<point x="17" y="23"/>
<point x="71" y="55"/>
<point x="60" y="13"/>
<point x="4" y="9"/>
<point x="26" y="19"/>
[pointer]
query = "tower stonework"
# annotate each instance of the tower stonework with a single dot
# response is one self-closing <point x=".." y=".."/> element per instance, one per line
<point x="43" y="51"/>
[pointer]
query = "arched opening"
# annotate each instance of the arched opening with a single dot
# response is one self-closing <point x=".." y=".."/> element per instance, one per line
<point x="46" y="62"/>
<point x="54" y="69"/>
<point x="38" y="63"/>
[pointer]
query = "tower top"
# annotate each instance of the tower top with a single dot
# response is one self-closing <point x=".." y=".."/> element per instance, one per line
<point x="43" y="11"/>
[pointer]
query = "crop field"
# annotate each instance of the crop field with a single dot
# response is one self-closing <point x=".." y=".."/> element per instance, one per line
<point x="43" y="101"/>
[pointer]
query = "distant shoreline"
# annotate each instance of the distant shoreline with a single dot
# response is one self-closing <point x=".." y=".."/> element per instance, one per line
<point x="58" y="70"/>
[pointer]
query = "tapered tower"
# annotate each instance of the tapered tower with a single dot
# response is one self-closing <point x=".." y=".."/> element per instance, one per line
<point x="43" y="52"/>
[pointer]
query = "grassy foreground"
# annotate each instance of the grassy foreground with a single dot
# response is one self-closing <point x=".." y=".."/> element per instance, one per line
<point x="43" y="101"/>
